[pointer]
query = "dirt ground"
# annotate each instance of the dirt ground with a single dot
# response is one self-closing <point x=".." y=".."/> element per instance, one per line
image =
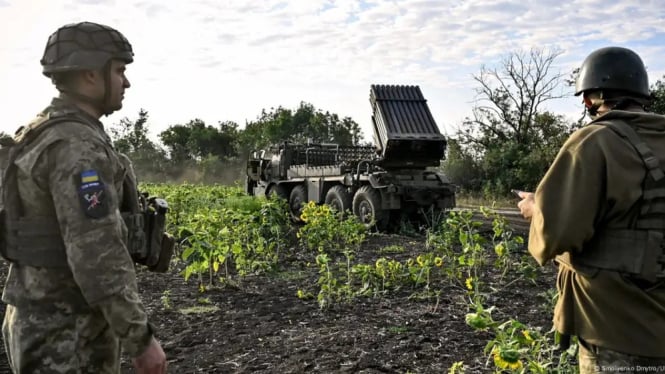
<point x="259" y="325"/>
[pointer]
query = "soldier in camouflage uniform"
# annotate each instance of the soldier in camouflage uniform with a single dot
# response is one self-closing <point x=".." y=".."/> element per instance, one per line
<point x="599" y="212"/>
<point x="71" y="291"/>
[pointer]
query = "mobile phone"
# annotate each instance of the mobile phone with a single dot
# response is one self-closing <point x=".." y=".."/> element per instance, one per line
<point x="516" y="192"/>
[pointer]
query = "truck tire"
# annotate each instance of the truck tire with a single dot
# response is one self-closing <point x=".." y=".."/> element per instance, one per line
<point x="339" y="199"/>
<point x="297" y="199"/>
<point x="367" y="207"/>
<point x="277" y="190"/>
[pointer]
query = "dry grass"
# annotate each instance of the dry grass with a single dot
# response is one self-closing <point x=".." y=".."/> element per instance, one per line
<point x="475" y="200"/>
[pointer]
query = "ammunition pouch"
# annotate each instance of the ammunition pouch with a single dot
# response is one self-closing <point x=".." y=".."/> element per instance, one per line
<point x="136" y="238"/>
<point x="636" y="253"/>
<point x="147" y="241"/>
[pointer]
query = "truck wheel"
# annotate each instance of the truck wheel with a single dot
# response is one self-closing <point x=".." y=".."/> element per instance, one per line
<point x="339" y="199"/>
<point x="277" y="190"/>
<point x="296" y="201"/>
<point x="367" y="206"/>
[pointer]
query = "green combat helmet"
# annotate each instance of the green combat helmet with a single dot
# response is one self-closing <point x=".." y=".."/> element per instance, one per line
<point x="84" y="46"/>
<point x="615" y="69"/>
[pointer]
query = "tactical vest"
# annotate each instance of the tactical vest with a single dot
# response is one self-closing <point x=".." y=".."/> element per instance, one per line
<point x="37" y="241"/>
<point x="637" y="251"/>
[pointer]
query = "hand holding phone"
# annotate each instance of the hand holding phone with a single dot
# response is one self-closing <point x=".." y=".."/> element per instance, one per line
<point x="517" y="193"/>
<point x="526" y="204"/>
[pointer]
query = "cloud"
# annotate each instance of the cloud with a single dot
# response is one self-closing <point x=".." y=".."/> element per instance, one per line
<point x="150" y="8"/>
<point x="93" y="2"/>
<point x="276" y="52"/>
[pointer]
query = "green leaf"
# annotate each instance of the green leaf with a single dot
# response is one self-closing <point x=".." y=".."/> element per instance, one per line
<point x="187" y="252"/>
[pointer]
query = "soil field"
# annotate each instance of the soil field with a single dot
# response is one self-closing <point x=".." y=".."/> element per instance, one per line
<point x="257" y="324"/>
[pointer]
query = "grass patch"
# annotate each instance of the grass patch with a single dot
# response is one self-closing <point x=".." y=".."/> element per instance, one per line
<point x="392" y="249"/>
<point x="199" y="309"/>
<point x="466" y="199"/>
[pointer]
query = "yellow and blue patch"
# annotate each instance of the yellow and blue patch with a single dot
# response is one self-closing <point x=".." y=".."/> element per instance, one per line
<point x="92" y="195"/>
<point x="89" y="176"/>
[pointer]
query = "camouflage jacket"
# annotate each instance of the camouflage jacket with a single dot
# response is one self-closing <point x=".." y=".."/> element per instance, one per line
<point x="595" y="184"/>
<point x="53" y="177"/>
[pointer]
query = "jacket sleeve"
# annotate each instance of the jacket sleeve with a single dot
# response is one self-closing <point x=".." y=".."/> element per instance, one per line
<point x="569" y="198"/>
<point x="82" y="182"/>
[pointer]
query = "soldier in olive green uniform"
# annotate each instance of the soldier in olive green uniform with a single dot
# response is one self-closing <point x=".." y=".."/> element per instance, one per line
<point x="600" y="213"/>
<point x="71" y="292"/>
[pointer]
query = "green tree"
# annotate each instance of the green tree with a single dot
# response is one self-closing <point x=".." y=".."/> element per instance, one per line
<point x="131" y="138"/>
<point x="509" y="136"/>
<point x="658" y="94"/>
<point x="461" y="167"/>
<point x="196" y="140"/>
<point x="176" y="139"/>
<point x="300" y="125"/>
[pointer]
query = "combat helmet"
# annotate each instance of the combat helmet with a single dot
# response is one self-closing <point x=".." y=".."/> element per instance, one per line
<point x="616" y="69"/>
<point x="84" y="46"/>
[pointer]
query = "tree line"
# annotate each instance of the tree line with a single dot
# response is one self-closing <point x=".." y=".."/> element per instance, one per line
<point x="508" y="141"/>
<point x="199" y="152"/>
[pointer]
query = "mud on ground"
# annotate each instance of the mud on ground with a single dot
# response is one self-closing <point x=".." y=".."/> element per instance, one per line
<point x="259" y="325"/>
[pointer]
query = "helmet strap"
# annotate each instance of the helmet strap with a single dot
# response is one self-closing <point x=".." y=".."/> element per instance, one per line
<point x="106" y="110"/>
<point x="103" y="104"/>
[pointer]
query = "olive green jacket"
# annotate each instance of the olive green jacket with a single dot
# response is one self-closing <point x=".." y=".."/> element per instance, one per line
<point x="595" y="182"/>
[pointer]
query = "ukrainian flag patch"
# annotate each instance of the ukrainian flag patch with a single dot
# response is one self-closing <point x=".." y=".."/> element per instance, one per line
<point x="92" y="195"/>
<point x="89" y="176"/>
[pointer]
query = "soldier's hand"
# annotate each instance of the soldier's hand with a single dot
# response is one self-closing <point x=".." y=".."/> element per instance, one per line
<point x="526" y="204"/>
<point x="152" y="360"/>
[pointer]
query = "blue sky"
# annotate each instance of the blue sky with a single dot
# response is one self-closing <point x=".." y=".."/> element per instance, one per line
<point x="228" y="60"/>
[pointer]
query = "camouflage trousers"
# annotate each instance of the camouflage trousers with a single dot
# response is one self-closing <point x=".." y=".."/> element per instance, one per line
<point x="46" y="342"/>
<point x="598" y="360"/>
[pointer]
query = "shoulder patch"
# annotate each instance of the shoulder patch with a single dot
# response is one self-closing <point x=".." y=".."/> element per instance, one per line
<point x="92" y="195"/>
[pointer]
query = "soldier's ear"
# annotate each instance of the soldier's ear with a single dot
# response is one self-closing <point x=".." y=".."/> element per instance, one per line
<point x="587" y="101"/>
<point x="91" y="77"/>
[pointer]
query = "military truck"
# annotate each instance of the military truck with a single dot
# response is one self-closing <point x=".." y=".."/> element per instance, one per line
<point x="380" y="183"/>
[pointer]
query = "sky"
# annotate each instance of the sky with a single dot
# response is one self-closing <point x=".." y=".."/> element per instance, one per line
<point x="227" y="60"/>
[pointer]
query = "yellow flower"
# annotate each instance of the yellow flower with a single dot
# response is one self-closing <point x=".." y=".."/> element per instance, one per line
<point x="469" y="283"/>
<point x="527" y="336"/>
<point x="515" y="365"/>
<point x="301" y="294"/>
<point x="438" y="261"/>
<point x="506" y="359"/>
<point x="500" y="249"/>
<point x="420" y="260"/>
